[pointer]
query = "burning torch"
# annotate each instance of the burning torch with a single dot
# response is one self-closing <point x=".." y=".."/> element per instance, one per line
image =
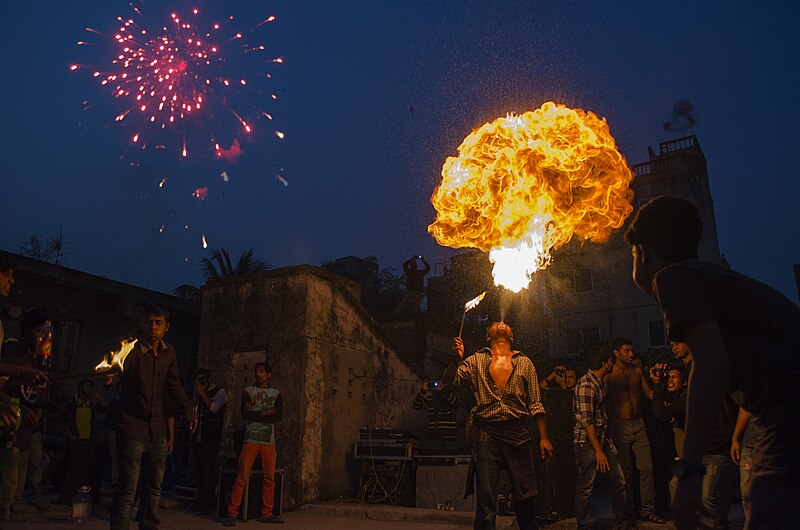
<point x="110" y="365"/>
<point x="470" y="305"/>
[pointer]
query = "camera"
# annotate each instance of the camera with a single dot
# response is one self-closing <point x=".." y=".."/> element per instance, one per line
<point x="560" y="372"/>
<point x="663" y="373"/>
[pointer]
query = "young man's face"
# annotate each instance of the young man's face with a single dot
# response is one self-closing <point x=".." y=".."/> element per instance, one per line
<point x="262" y="375"/>
<point x="642" y="275"/>
<point x="624" y="354"/>
<point x="155" y="327"/>
<point x="675" y="381"/>
<point x="679" y="349"/>
<point x="6" y="281"/>
<point x="570" y="379"/>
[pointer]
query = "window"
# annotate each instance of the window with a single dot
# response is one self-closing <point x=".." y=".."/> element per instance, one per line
<point x="577" y="338"/>
<point x="582" y="280"/>
<point x="657" y="335"/>
<point x="67" y="344"/>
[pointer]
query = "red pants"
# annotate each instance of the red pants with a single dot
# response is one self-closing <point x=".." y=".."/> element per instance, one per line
<point x="246" y="459"/>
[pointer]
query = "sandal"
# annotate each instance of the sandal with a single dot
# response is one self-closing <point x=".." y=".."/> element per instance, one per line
<point x="653" y="518"/>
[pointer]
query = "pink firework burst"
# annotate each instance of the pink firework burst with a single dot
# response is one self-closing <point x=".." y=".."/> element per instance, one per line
<point x="169" y="77"/>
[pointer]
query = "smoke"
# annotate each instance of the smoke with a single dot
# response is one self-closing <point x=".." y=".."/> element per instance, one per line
<point x="231" y="155"/>
<point x="683" y="117"/>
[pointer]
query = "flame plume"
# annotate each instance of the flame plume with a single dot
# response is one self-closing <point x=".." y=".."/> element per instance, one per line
<point x="524" y="185"/>
<point x="116" y="359"/>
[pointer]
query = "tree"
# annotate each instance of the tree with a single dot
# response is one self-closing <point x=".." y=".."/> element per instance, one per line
<point x="50" y="250"/>
<point x="218" y="265"/>
<point x="188" y="292"/>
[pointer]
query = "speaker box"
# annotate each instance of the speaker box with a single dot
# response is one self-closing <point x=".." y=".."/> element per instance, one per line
<point x="443" y="485"/>
<point x="251" y="497"/>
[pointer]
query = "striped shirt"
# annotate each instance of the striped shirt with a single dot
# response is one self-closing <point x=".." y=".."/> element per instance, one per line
<point x="441" y="407"/>
<point x="521" y="397"/>
<point x="589" y="407"/>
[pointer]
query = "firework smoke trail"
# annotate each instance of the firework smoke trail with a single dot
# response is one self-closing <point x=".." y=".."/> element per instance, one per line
<point x="168" y="76"/>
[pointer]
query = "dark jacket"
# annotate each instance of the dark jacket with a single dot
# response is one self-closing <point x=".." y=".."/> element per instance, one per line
<point x="146" y="378"/>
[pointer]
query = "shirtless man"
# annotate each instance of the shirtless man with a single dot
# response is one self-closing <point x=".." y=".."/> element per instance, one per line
<point x="507" y="393"/>
<point x="624" y="386"/>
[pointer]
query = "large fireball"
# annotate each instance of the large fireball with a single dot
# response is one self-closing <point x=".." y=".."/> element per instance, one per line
<point x="524" y="185"/>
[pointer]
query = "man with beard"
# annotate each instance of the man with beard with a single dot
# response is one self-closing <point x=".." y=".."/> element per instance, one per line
<point x="625" y="386"/>
<point x="507" y="393"/>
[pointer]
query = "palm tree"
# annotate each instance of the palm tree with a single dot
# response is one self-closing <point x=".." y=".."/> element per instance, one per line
<point x="218" y="265"/>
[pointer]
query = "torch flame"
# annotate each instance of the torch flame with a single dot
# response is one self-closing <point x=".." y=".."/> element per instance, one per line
<point x="474" y="302"/>
<point x="524" y="185"/>
<point x="117" y="358"/>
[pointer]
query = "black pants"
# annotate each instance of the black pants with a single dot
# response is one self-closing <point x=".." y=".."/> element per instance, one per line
<point x="205" y="462"/>
<point x="491" y="459"/>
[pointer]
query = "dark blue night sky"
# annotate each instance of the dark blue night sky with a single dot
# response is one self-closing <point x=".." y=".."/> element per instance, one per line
<point x="360" y="165"/>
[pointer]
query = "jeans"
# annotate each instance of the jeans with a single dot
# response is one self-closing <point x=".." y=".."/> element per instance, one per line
<point x="631" y="437"/>
<point x="137" y="457"/>
<point x="745" y="470"/>
<point x="489" y="461"/>
<point x="586" y="462"/>
<point x="31" y="468"/>
<point x="249" y="453"/>
<point x="717" y="484"/>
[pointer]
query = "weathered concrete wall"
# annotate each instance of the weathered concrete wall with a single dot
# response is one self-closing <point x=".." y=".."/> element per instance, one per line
<point x="336" y="369"/>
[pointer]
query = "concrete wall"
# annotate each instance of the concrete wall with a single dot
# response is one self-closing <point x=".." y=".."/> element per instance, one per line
<point x="333" y="364"/>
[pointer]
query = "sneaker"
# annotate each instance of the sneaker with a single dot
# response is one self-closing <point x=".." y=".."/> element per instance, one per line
<point x="273" y="519"/>
<point x="229" y="521"/>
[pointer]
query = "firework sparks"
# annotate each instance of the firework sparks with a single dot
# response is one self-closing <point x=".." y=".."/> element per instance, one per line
<point x="203" y="239"/>
<point x="169" y="75"/>
<point x="282" y="180"/>
<point x="200" y="193"/>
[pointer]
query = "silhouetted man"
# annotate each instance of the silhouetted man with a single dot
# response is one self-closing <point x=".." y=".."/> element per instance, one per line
<point x="415" y="285"/>
<point x="744" y="336"/>
<point x="6" y="281"/>
<point x="210" y="400"/>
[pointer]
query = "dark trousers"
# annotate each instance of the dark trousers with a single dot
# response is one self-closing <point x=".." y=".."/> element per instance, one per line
<point x="490" y="460"/>
<point x="630" y="437"/>
<point x="586" y="461"/>
<point x="136" y="457"/>
<point x="205" y="463"/>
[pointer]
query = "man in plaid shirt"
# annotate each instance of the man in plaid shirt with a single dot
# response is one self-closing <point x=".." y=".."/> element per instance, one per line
<point x="594" y="444"/>
<point x="506" y="390"/>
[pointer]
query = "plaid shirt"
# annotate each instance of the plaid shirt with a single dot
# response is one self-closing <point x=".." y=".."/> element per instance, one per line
<point x="589" y="407"/>
<point x="521" y="397"/>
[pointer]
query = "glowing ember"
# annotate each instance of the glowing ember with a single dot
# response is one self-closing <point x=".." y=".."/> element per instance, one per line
<point x="116" y="358"/>
<point x="524" y="185"/>
<point x="472" y="304"/>
<point x="200" y="193"/>
<point x="203" y="239"/>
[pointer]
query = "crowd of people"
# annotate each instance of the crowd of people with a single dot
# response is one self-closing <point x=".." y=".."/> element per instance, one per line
<point x="726" y="400"/>
<point x="123" y="435"/>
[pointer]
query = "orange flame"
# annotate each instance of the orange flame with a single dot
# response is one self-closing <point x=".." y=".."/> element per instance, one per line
<point x="116" y="358"/>
<point x="524" y="185"/>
